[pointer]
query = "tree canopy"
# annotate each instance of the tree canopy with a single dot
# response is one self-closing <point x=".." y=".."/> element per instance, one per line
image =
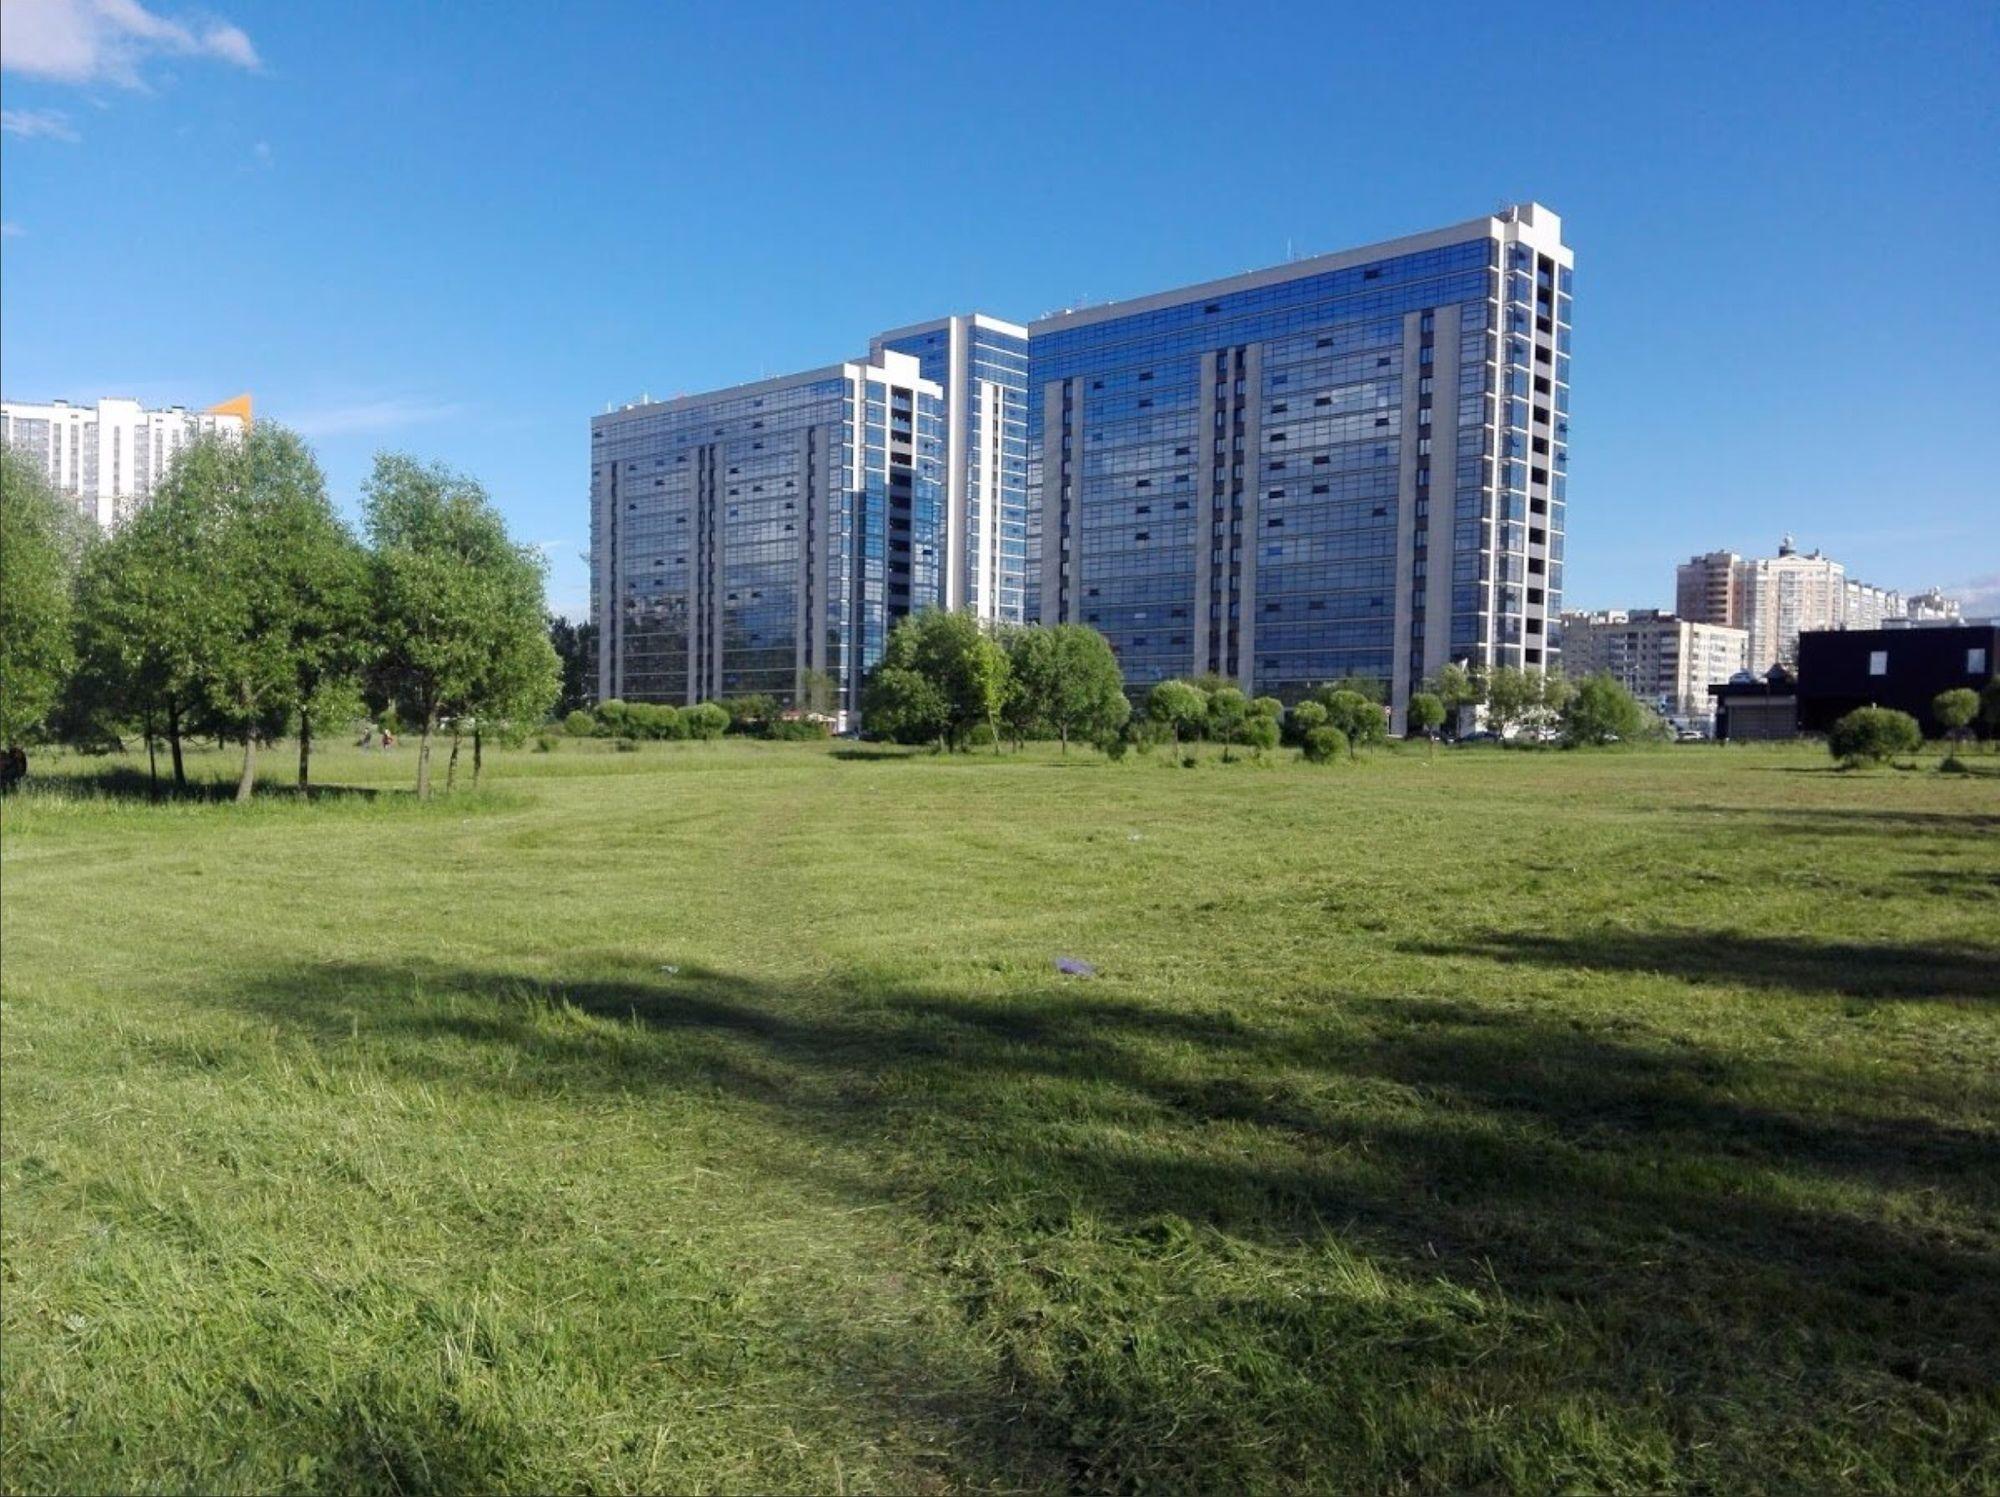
<point x="963" y="674"/>
<point x="1599" y="710"/>
<point x="1064" y="679"/>
<point x="39" y="546"/>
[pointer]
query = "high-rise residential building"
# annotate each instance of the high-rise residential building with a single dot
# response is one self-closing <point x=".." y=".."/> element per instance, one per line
<point x="1776" y="598"/>
<point x="109" y="457"/>
<point x="1666" y="662"/>
<point x="1783" y="596"/>
<point x="1351" y="465"/>
<point x="1930" y="607"/>
<point x="981" y="363"/>
<point x="1708" y="589"/>
<point x="742" y="538"/>
<point x="1865" y="606"/>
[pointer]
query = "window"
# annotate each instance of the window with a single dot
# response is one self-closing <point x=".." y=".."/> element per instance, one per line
<point x="1975" y="662"/>
<point x="1878" y="662"/>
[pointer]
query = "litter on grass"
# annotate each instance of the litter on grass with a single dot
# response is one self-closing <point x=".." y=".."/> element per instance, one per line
<point x="1071" y="966"/>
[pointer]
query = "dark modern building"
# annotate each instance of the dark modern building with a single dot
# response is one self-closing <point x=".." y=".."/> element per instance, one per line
<point x="1354" y="464"/>
<point x="1841" y="669"/>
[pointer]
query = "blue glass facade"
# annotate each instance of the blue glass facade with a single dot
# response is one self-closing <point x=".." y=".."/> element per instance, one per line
<point x="742" y="538"/>
<point x="1356" y="465"/>
<point x="982" y="365"/>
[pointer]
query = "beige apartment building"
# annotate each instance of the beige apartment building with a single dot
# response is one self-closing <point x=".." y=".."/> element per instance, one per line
<point x="1666" y="662"/>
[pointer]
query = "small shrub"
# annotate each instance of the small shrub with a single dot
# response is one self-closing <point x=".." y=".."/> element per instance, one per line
<point x="1871" y="735"/>
<point x="706" y="721"/>
<point x="1259" y="732"/>
<point x="545" y="743"/>
<point x="1324" y="745"/>
<point x="800" y="730"/>
<point x="625" y="745"/>
<point x="1113" y="746"/>
<point x="982" y="736"/>
<point x="1955" y="710"/>
<point x="1303" y="718"/>
<point x="579" y="724"/>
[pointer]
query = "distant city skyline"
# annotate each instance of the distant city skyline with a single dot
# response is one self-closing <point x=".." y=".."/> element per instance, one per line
<point x="419" y="236"/>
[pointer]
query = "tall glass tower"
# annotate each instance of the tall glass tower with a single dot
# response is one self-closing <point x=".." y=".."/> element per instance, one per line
<point x="982" y="364"/>
<point x="1352" y="465"/>
<point x="742" y="538"/>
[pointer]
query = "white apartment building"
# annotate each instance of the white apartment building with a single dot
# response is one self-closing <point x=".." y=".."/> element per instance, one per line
<point x="1665" y="661"/>
<point x="1774" y="598"/>
<point x="108" y="457"/>
<point x="1930" y="607"/>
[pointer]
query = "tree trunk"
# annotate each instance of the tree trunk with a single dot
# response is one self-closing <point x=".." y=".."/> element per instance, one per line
<point x="424" y="754"/>
<point x="247" y="785"/>
<point x="477" y="756"/>
<point x="174" y="738"/>
<point x="1062" y="732"/>
<point x="152" y="758"/>
<point x="305" y="752"/>
<point x="451" y="765"/>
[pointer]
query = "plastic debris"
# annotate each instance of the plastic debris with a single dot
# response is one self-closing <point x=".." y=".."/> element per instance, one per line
<point x="1071" y="966"/>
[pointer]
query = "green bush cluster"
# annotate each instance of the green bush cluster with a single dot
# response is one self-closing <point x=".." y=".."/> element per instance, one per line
<point x="1872" y="735"/>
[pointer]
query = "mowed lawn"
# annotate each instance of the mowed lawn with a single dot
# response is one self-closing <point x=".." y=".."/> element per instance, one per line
<point x="714" y="1118"/>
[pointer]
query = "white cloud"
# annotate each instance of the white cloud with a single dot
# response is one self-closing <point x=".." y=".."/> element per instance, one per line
<point x="105" y="41"/>
<point x="1978" y="597"/>
<point x="367" y="416"/>
<point x="50" y="124"/>
<point x="11" y="230"/>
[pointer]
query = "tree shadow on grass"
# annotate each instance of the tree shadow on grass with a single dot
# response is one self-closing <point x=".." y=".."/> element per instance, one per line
<point x="1653" y="1231"/>
<point x="1855" y="821"/>
<point x="1958" y="972"/>
<point x="876" y="754"/>
<point x="121" y="782"/>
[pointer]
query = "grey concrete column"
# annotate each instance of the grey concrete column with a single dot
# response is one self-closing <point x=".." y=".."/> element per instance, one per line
<point x="1052" y="499"/>
<point x="1204" y="501"/>
<point x="1252" y="405"/>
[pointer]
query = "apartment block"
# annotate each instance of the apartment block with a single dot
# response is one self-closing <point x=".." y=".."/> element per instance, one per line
<point x="744" y="537"/>
<point x="1709" y="589"/>
<point x="1930" y="607"/>
<point x="1777" y="598"/>
<point x="1354" y="464"/>
<point x="109" y="457"/>
<point x="1665" y="661"/>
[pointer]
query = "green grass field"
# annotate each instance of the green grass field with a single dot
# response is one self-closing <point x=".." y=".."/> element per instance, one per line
<point x="713" y="1118"/>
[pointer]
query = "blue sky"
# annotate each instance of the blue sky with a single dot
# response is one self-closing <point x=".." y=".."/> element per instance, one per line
<point x="460" y="230"/>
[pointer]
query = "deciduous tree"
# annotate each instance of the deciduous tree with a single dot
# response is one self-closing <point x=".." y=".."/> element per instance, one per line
<point x="1955" y="710"/>
<point x="1065" y="678"/>
<point x="40" y="540"/>
<point x="442" y="562"/>
<point x="964" y="666"/>
<point x="1600" y="710"/>
<point x="1425" y="715"/>
<point x="1180" y="707"/>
